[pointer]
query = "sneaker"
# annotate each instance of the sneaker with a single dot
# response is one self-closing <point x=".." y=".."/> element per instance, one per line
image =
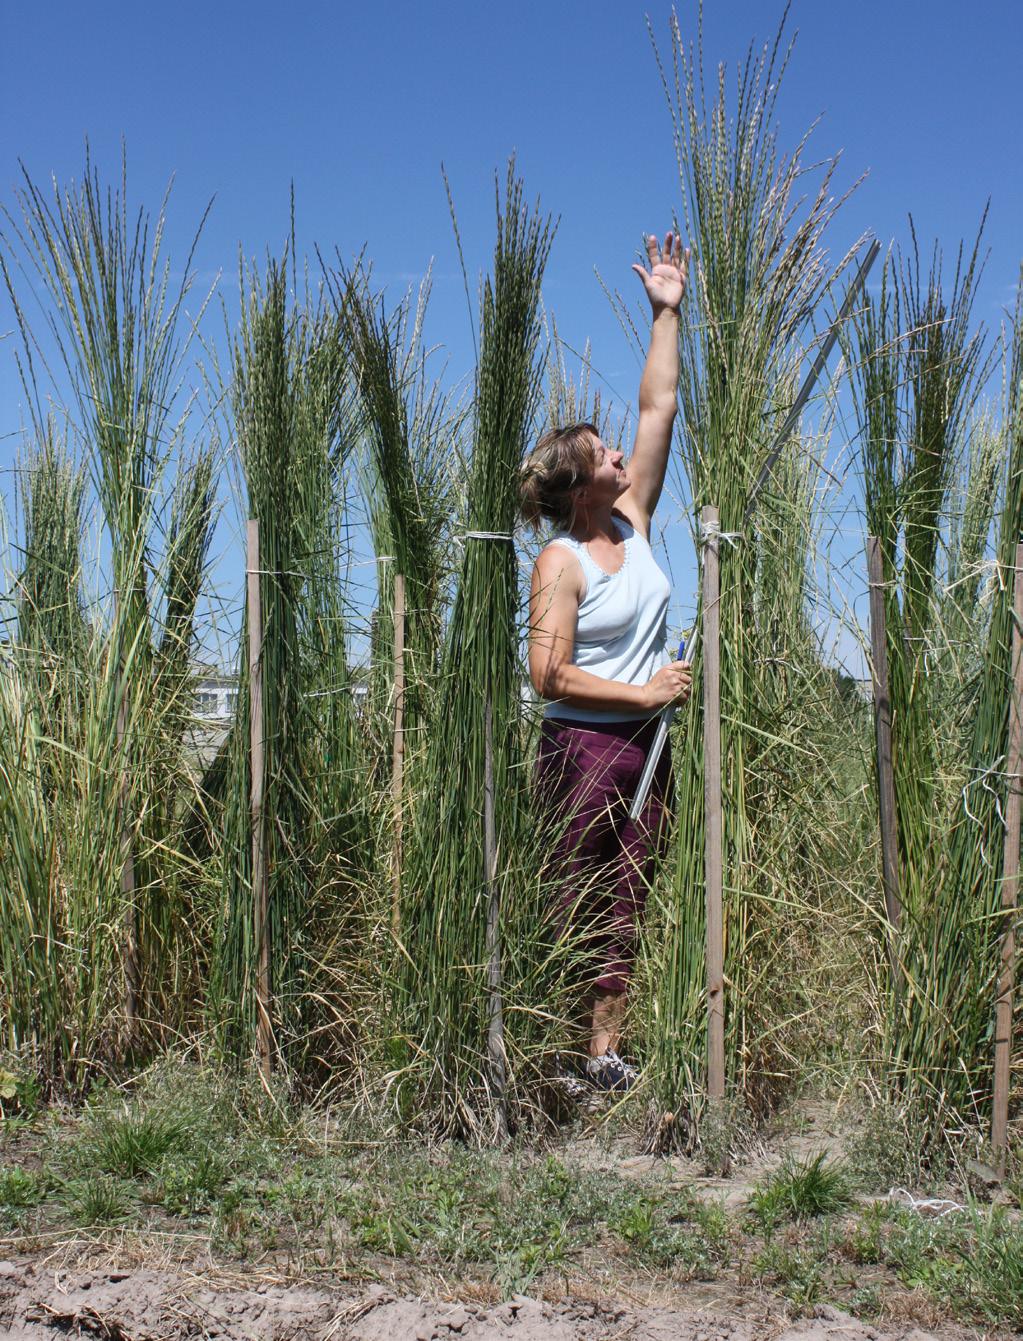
<point x="608" y="1072"/>
<point x="567" y="1082"/>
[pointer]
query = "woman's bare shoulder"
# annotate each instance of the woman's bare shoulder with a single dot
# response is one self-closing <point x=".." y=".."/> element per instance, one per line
<point x="558" y="562"/>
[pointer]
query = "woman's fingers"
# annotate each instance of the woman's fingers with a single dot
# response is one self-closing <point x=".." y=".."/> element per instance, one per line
<point x="686" y="676"/>
<point x="669" y="252"/>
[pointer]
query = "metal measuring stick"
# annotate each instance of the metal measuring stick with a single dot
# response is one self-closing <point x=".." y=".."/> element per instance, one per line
<point x="791" y="419"/>
<point x="661" y="735"/>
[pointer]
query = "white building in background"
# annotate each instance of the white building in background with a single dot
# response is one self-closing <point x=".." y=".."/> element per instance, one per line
<point x="216" y="694"/>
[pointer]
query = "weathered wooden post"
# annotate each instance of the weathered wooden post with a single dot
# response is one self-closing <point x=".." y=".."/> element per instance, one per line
<point x="1010" y="880"/>
<point x="398" y="750"/>
<point x="260" y="885"/>
<point x="713" y="855"/>
<point x="883" y="736"/>
<point x="495" y="1031"/>
<point x="132" y="966"/>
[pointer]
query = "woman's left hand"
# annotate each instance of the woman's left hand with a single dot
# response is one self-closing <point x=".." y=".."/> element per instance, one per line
<point x="665" y="281"/>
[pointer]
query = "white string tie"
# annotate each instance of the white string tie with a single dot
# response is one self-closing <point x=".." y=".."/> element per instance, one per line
<point x="481" y="535"/>
<point x="368" y="563"/>
<point x="982" y="780"/>
<point x="711" y="530"/>
<point x="937" y="1207"/>
<point x="991" y="567"/>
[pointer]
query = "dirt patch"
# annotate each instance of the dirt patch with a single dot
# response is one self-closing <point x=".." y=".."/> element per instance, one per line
<point x="36" y="1303"/>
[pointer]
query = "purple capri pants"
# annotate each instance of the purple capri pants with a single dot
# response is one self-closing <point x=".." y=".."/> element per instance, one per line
<point x="587" y="774"/>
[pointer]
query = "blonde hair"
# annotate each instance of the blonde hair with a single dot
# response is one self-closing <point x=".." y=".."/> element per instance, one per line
<point x="556" y="469"/>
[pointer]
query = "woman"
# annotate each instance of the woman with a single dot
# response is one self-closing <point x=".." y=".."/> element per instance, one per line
<point x="598" y="604"/>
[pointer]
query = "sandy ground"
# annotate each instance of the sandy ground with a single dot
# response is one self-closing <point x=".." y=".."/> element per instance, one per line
<point x="36" y="1303"/>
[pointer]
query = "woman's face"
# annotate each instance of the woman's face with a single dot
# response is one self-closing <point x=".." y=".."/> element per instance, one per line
<point x="609" y="480"/>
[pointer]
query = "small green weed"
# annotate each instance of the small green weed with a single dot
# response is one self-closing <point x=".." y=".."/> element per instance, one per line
<point x="865" y="1238"/>
<point x="21" y="1188"/>
<point x="380" y="1232"/>
<point x="865" y="1301"/>
<point x="712" y="1219"/>
<point x="797" y="1272"/>
<point x="516" y="1269"/>
<point x="638" y="1225"/>
<point x="234" y="1215"/>
<point x="19" y="1088"/>
<point x="725" y="1125"/>
<point x="642" y="1226"/>
<point x="188" y="1185"/>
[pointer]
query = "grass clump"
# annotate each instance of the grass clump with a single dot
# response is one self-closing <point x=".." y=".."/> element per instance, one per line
<point x="97" y="948"/>
<point x="934" y="484"/>
<point x="289" y="408"/>
<point x="98" y="1202"/>
<point x="801" y="1190"/>
<point x="450" y="929"/>
<point x="131" y="1144"/>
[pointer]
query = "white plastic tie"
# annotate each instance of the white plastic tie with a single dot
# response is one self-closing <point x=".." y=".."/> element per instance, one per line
<point x="488" y="535"/>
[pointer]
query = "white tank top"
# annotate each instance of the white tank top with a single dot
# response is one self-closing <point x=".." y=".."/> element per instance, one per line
<point x="622" y="627"/>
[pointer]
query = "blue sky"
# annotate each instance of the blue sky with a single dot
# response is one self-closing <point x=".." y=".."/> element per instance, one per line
<point x="359" y="105"/>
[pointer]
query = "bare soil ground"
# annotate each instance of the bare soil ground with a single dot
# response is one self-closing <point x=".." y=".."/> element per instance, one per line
<point x="37" y="1302"/>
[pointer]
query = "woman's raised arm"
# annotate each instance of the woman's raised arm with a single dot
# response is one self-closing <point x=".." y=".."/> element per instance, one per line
<point x="665" y="285"/>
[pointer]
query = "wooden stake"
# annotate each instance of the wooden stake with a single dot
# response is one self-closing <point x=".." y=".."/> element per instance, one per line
<point x="1010" y="881"/>
<point x="260" y="886"/>
<point x="132" y="967"/>
<point x="495" y="1032"/>
<point x="883" y="734"/>
<point x="713" y="855"/>
<point x="398" y="753"/>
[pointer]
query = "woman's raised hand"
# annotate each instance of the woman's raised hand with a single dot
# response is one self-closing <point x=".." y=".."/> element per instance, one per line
<point x="671" y="684"/>
<point x="665" y="281"/>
